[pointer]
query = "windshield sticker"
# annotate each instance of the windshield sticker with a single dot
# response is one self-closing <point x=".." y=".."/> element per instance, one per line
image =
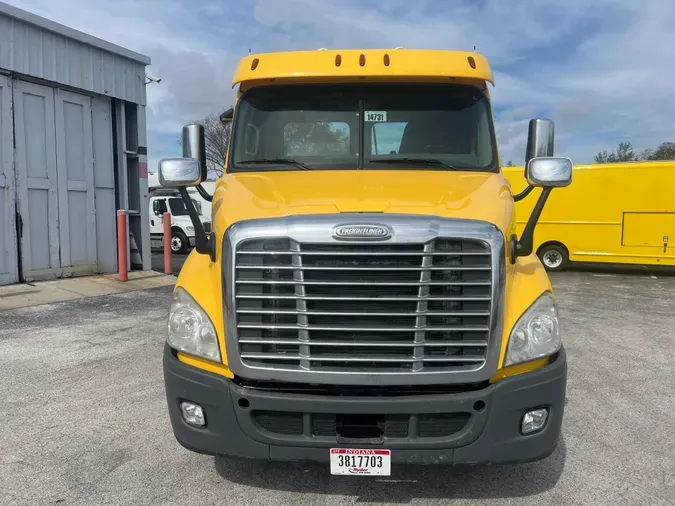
<point x="372" y="116"/>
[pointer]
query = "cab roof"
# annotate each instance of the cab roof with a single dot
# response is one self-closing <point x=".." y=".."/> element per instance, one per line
<point x="356" y="63"/>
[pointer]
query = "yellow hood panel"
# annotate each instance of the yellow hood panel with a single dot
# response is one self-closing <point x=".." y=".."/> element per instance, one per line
<point x="480" y="196"/>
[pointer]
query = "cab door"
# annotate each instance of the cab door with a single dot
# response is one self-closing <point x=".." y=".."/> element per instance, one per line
<point x="159" y="207"/>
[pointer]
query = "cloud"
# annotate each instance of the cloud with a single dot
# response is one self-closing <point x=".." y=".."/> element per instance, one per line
<point x="602" y="70"/>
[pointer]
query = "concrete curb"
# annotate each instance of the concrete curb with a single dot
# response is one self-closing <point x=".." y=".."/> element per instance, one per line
<point x="47" y="292"/>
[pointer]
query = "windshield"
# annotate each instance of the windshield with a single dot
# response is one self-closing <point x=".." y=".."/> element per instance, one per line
<point x="178" y="207"/>
<point x="376" y="126"/>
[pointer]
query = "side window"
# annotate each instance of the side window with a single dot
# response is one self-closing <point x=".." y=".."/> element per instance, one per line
<point x="252" y="139"/>
<point x="386" y="137"/>
<point x="312" y="139"/>
<point x="161" y="206"/>
<point x="483" y="141"/>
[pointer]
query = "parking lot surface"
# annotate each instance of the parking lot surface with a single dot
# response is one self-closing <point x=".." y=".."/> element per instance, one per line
<point x="84" y="421"/>
<point x="177" y="262"/>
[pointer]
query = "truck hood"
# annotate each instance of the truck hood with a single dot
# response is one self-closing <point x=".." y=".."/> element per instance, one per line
<point x="470" y="195"/>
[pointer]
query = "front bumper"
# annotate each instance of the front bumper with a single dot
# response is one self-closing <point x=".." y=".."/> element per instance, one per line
<point x="491" y="434"/>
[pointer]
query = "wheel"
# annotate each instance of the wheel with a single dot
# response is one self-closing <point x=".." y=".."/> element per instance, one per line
<point x="553" y="257"/>
<point x="179" y="243"/>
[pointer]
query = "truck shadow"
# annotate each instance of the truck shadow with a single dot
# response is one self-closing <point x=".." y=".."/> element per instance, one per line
<point x="406" y="484"/>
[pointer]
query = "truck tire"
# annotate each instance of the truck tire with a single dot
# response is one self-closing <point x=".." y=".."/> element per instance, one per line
<point x="554" y="257"/>
<point x="179" y="242"/>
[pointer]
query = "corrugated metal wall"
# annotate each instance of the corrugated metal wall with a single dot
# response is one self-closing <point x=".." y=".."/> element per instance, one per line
<point x="68" y="97"/>
<point x="36" y="51"/>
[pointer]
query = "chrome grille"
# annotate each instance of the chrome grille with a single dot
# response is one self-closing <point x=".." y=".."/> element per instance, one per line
<point x="367" y="307"/>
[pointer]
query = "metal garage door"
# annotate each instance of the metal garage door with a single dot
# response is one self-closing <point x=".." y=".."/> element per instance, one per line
<point x="104" y="182"/>
<point x="35" y="162"/>
<point x="8" y="267"/>
<point x="75" y="170"/>
<point x="55" y="181"/>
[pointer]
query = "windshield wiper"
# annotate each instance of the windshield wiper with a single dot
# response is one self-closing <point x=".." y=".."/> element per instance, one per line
<point x="276" y="161"/>
<point x="415" y="161"/>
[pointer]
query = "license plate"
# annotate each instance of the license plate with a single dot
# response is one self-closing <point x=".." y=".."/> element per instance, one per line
<point x="351" y="461"/>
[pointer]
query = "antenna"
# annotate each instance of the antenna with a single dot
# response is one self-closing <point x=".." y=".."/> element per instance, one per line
<point x="474" y="48"/>
<point x="249" y="51"/>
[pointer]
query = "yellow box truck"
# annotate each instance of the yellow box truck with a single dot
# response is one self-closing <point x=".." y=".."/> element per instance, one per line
<point x="621" y="213"/>
<point x="364" y="299"/>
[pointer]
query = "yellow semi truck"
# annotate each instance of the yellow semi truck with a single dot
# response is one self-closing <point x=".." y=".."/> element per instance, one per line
<point x="363" y="299"/>
<point x="619" y="213"/>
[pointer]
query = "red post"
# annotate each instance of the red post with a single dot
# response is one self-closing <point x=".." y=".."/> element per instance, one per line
<point x="122" y="245"/>
<point x="167" y="244"/>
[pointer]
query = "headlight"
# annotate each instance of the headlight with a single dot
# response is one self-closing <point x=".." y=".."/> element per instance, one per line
<point x="190" y="229"/>
<point x="190" y="329"/>
<point x="536" y="334"/>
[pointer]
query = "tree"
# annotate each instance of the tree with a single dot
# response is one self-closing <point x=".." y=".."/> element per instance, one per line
<point x="666" y="151"/>
<point x="216" y="139"/>
<point x="303" y="139"/>
<point x="624" y="153"/>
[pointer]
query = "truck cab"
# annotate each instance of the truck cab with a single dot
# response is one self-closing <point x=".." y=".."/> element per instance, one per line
<point x="364" y="299"/>
<point x="182" y="229"/>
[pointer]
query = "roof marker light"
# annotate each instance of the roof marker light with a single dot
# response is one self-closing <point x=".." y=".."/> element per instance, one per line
<point x="472" y="62"/>
<point x="362" y="60"/>
<point x="386" y="60"/>
<point x="254" y="63"/>
<point x="338" y="60"/>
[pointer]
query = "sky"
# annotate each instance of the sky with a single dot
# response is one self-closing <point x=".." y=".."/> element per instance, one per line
<point x="603" y="70"/>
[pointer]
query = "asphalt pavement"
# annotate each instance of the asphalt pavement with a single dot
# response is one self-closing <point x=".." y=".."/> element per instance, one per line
<point x="84" y="421"/>
<point x="176" y="262"/>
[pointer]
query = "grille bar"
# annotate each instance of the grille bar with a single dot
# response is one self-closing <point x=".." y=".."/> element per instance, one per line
<point x="361" y="358"/>
<point x="416" y="328"/>
<point x="424" y="282"/>
<point x="366" y="344"/>
<point x="387" y="299"/>
<point x="422" y="306"/>
<point x="368" y="253"/>
<point x="365" y="269"/>
<point x="300" y="305"/>
<point x="360" y="313"/>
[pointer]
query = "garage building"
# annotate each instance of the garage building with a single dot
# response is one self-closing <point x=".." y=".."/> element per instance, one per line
<point x="72" y="151"/>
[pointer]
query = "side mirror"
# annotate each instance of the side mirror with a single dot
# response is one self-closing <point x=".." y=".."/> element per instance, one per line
<point x="549" y="172"/>
<point x="227" y="116"/>
<point x="194" y="147"/>
<point x="540" y="139"/>
<point x="540" y="143"/>
<point x="190" y="171"/>
<point x="179" y="172"/>
<point x="541" y="169"/>
<point x="155" y="207"/>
